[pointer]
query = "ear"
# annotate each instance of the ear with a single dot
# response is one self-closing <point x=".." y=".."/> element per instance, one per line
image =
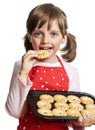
<point x="29" y="36"/>
<point x="63" y="42"/>
<point x="64" y="39"/>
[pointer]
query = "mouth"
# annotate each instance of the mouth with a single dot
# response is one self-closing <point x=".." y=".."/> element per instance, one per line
<point x="45" y="48"/>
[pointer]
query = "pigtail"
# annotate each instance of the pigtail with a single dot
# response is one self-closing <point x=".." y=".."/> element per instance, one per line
<point x="27" y="44"/>
<point x="70" y="48"/>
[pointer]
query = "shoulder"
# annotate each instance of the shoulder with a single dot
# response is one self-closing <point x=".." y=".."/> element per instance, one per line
<point x="72" y="72"/>
<point x="17" y="65"/>
<point x="69" y="67"/>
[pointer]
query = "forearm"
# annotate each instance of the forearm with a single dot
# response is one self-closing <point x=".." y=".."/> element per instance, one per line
<point x="16" y="100"/>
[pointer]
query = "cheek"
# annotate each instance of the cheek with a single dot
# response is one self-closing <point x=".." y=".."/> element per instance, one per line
<point x="35" y="43"/>
<point x="56" y="46"/>
<point x="60" y="43"/>
<point x="60" y="40"/>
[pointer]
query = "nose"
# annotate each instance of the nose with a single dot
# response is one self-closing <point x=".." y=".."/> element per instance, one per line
<point x="45" y="39"/>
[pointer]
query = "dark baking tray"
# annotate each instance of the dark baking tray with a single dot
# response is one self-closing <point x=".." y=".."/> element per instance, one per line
<point x="33" y="97"/>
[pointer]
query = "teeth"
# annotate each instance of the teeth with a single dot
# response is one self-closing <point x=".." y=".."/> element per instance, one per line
<point x="45" y="48"/>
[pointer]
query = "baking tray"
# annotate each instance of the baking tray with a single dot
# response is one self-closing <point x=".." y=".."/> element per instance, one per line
<point x="33" y="97"/>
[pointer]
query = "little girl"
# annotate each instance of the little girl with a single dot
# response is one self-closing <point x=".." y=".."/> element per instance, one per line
<point x="46" y="30"/>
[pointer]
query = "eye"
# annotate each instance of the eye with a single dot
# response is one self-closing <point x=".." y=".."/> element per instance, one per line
<point x="54" y="34"/>
<point x="37" y="34"/>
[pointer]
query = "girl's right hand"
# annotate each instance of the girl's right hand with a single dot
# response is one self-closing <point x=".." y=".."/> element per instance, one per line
<point x="27" y="61"/>
<point x="86" y="120"/>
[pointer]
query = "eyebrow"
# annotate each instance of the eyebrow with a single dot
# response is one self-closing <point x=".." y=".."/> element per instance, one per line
<point x="50" y="30"/>
<point x="56" y="30"/>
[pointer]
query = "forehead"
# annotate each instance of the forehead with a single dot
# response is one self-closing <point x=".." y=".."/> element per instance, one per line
<point x="42" y="14"/>
<point x="48" y="25"/>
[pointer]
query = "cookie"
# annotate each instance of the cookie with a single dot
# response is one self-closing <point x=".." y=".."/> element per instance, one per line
<point x="73" y="99"/>
<point x="72" y="112"/>
<point x="43" y="54"/>
<point x="61" y="105"/>
<point x="43" y="104"/>
<point x="46" y="97"/>
<point x="86" y="100"/>
<point x="45" y="112"/>
<point x="76" y="106"/>
<point x="60" y="98"/>
<point x="59" y="112"/>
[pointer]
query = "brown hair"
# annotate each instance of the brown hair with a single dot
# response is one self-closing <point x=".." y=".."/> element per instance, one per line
<point x="49" y="12"/>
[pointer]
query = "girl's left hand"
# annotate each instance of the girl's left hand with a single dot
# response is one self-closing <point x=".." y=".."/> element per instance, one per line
<point x="85" y="120"/>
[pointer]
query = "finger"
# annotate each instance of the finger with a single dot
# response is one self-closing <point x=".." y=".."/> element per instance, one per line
<point x="80" y="119"/>
<point x="30" y="58"/>
<point x="93" y="120"/>
<point x="87" y="120"/>
<point x="29" y="54"/>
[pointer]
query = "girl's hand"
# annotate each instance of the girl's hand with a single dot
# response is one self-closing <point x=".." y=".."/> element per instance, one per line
<point x="85" y="120"/>
<point x="27" y="61"/>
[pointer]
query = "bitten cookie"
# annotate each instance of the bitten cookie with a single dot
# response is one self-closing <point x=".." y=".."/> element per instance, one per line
<point x="43" y="54"/>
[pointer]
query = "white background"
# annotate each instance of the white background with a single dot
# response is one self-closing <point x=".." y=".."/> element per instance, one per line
<point x="13" y="15"/>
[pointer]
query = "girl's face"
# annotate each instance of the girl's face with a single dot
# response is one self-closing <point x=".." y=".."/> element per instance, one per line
<point x="47" y="39"/>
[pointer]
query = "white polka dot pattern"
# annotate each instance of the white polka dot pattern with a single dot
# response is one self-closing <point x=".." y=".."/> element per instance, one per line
<point x="49" y="78"/>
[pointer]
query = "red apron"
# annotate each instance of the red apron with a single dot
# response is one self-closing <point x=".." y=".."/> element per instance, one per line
<point x="45" y="78"/>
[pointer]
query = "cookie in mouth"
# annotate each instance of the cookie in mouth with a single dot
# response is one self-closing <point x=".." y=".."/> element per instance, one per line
<point x="43" y="54"/>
